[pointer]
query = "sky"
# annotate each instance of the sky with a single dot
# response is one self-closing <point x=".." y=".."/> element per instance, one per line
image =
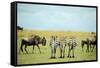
<point x="56" y="18"/>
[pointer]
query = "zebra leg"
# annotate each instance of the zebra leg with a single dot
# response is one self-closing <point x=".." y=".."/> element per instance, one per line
<point x="73" y="53"/>
<point x="54" y="52"/>
<point x="68" y="53"/>
<point x="63" y="53"/>
<point x="26" y="49"/>
<point x="39" y="48"/>
<point x="51" y="52"/>
<point x="60" y="52"/>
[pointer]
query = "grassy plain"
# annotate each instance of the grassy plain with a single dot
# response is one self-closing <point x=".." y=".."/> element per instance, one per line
<point x="44" y="57"/>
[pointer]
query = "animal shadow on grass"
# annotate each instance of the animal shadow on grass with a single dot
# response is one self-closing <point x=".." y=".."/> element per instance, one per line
<point x="30" y="53"/>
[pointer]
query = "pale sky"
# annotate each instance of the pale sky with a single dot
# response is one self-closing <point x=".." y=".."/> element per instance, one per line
<point x="56" y="18"/>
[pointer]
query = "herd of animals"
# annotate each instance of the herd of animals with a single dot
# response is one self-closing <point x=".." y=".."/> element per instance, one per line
<point x="56" y="42"/>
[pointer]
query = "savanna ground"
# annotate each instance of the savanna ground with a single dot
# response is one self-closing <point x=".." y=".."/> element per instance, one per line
<point x="44" y="57"/>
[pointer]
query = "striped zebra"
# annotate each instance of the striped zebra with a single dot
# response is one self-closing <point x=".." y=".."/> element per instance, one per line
<point x="53" y="44"/>
<point x="62" y="46"/>
<point x="71" y="45"/>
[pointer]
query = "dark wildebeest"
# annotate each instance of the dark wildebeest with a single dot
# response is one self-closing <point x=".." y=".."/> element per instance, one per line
<point x="90" y="42"/>
<point x="71" y="44"/>
<point x="62" y="45"/>
<point x="85" y="42"/>
<point x="93" y="43"/>
<point x="53" y="44"/>
<point x="33" y="41"/>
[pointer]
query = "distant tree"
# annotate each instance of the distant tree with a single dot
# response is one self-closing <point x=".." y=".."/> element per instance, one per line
<point x="19" y="28"/>
<point x="92" y="32"/>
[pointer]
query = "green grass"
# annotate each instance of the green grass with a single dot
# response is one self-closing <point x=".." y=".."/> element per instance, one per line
<point x="44" y="57"/>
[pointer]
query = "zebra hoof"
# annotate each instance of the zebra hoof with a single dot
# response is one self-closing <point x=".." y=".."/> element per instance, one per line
<point x="68" y="56"/>
<point x="63" y="57"/>
<point x="54" y="57"/>
<point x="73" y="56"/>
<point x="51" y="57"/>
<point x="60" y="57"/>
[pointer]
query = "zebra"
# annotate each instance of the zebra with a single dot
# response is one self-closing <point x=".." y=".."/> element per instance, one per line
<point x="53" y="44"/>
<point x="62" y="46"/>
<point x="71" y="45"/>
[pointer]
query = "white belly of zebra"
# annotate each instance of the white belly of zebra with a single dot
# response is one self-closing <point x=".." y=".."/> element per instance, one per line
<point x="54" y="44"/>
<point x="62" y="44"/>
